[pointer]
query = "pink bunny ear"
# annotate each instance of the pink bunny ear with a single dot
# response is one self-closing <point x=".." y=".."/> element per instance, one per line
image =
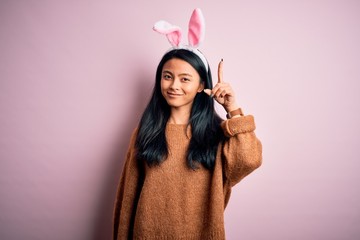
<point x="196" y="28"/>
<point x="172" y="32"/>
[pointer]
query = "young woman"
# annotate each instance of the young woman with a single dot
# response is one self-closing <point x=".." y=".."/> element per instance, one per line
<point x="183" y="159"/>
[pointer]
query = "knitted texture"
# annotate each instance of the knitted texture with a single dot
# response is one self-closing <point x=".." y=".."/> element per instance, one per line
<point x="173" y="201"/>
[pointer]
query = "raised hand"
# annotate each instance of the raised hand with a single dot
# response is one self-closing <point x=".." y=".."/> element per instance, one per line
<point x="223" y="92"/>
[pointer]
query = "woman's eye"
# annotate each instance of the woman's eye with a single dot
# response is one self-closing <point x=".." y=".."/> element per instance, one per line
<point x="186" y="79"/>
<point x="167" y="77"/>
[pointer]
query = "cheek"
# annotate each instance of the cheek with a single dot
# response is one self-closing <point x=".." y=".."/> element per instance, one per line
<point x="162" y="84"/>
<point x="195" y="88"/>
<point x="190" y="91"/>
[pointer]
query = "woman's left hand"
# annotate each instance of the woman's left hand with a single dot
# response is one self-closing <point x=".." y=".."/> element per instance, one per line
<point x="223" y="92"/>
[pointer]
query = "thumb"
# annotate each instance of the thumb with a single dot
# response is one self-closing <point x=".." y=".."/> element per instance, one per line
<point x="208" y="91"/>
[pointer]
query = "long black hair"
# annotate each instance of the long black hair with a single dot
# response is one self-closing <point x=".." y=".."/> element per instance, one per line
<point x="206" y="133"/>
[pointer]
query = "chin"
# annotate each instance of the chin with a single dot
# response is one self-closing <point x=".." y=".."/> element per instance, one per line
<point x="173" y="104"/>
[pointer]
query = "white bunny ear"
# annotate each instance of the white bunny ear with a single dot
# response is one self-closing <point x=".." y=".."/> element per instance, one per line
<point x="172" y="32"/>
<point x="196" y="28"/>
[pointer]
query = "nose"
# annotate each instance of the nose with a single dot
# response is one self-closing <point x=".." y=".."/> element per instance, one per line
<point x="175" y="84"/>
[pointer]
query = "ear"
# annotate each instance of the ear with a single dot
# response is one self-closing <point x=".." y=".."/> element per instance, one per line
<point x="172" y="32"/>
<point x="201" y="87"/>
<point x="196" y="28"/>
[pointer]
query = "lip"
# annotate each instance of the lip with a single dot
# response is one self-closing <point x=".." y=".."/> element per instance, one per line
<point x="171" y="94"/>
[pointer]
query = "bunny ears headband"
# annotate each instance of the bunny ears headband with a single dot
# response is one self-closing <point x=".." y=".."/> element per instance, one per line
<point x="195" y="35"/>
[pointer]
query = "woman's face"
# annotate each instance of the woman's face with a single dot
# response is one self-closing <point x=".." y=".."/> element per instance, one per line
<point x="180" y="83"/>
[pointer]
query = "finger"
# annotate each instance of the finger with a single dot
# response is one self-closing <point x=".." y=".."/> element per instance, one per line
<point x="208" y="92"/>
<point x="217" y="87"/>
<point x="220" y="71"/>
<point x="224" y="90"/>
<point x="223" y="93"/>
<point x="220" y="93"/>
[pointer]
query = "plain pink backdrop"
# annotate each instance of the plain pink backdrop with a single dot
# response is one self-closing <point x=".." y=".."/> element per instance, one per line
<point x="76" y="75"/>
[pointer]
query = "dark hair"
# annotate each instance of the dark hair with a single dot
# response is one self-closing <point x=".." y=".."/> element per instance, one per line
<point x="206" y="133"/>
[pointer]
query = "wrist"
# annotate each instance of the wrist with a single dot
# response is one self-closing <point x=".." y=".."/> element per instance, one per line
<point x="234" y="113"/>
<point x="231" y="108"/>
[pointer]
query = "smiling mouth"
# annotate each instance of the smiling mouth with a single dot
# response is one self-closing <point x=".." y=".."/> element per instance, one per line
<point x="174" y="94"/>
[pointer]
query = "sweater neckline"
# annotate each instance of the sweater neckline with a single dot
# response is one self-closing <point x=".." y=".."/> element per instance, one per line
<point x="179" y="129"/>
<point x="177" y="124"/>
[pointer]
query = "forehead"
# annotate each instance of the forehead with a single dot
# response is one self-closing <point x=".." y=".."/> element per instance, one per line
<point x="179" y="66"/>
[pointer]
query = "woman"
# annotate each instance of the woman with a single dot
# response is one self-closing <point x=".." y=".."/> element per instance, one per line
<point x="183" y="159"/>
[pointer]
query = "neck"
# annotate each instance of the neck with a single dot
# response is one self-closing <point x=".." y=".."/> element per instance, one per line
<point x="179" y="116"/>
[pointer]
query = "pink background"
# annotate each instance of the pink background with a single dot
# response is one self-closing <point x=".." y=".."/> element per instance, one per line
<point x="76" y="75"/>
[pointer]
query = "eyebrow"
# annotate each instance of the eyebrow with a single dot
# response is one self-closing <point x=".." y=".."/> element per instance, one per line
<point x="181" y="74"/>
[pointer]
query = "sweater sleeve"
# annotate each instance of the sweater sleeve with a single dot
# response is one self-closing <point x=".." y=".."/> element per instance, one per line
<point x="127" y="194"/>
<point x="242" y="151"/>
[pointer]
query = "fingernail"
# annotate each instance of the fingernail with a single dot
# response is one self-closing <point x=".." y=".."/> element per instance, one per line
<point x="211" y="95"/>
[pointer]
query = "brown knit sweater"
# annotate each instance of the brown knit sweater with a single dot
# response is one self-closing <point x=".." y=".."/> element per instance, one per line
<point x="173" y="201"/>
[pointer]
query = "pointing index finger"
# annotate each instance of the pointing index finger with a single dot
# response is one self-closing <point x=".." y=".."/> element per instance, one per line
<point x="220" y="71"/>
